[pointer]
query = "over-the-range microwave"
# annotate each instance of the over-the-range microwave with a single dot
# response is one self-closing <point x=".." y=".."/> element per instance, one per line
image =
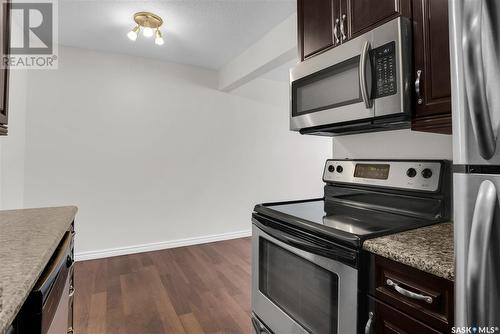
<point x="362" y="85"/>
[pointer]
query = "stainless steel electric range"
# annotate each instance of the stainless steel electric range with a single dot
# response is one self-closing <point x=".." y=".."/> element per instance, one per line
<point x="308" y="265"/>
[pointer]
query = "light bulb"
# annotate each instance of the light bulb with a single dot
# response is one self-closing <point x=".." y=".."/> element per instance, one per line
<point x="159" y="39"/>
<point x="147" y="32"/>
<point x="132" y="34"/>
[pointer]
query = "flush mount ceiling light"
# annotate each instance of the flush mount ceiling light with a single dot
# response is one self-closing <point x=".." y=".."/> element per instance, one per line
<point x="149" y="22"/>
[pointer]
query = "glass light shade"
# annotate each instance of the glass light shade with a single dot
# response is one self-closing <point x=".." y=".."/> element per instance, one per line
<point x="132" y="34"/>
<point x="159" y="39"/>
<point x="147" y="32"/>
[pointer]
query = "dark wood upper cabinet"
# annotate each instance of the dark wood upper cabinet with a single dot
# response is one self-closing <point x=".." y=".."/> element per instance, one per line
<point x="315" y="25"/>
<point x="364" y="15"/>
<point x="432" y="66"/>
<point x="4" y="72"/>
<point x="323" y="24"/>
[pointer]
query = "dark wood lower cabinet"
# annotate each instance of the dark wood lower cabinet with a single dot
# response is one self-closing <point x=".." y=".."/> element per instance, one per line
<point x="406" y="300"/>
<point x="388" y="320"/>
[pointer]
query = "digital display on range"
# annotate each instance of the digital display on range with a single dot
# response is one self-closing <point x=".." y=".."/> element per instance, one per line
<point x="372" y="171"/>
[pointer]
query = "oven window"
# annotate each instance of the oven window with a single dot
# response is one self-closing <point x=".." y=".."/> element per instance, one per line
<point x="333" y="87"/>
<point x="307" y="292"/>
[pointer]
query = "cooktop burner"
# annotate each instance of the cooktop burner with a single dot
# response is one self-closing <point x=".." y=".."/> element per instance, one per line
<point x="367" y="199"/>
<point x="346" y="224"/>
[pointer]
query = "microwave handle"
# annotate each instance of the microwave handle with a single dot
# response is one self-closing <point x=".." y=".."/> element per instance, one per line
<point x="362" y="74"/>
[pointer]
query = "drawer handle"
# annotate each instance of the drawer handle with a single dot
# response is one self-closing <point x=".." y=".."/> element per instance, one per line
<point x="71" y="290"/>
<point x="369" y="323"/>
<point x="409" y="294"/>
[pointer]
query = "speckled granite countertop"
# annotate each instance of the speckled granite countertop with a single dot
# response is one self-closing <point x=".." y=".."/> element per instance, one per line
<point x="28" y="238"/>
<point x="429" y="249"/>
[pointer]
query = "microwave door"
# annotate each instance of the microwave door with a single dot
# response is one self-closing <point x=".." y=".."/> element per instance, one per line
<point x="333" y="87"/>
<point x="365" y="80"/>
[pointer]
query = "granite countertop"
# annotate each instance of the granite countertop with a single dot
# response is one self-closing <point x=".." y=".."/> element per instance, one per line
<point x="429" y="249"/>
<point x="28" y="238"/>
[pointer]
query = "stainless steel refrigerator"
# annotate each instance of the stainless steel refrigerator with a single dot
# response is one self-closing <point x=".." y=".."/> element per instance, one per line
<point x="475" y="58"/>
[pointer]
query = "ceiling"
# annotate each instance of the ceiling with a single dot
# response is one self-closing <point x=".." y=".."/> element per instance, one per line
<point x="205" y="33"/>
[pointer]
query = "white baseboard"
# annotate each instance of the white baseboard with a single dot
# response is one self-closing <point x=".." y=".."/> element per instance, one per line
<point x="103" y="253"/>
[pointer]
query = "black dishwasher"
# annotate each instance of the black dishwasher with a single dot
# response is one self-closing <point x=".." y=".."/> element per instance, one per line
<point x="49" y="307"/>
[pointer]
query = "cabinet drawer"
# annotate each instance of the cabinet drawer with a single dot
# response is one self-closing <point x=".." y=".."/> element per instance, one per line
<point x="423" y="296"/>
<point x="387" y="320"/>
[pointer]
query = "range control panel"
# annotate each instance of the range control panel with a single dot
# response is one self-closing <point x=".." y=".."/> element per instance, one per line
<point x="411" y="175"/>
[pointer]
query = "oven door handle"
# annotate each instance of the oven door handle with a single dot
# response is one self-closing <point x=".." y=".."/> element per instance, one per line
<point x="256" y="326"/>
<point x="308" y="246"/>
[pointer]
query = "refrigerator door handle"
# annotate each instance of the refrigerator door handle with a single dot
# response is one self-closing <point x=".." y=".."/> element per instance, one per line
<point x="479" y="244"/>
<point x="475" y="86"/>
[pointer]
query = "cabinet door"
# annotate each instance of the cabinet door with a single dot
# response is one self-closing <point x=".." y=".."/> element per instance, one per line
<point x="315" y="24"/>
<point x="437" y="314"/>
<point x="432" y="64"/>
<point x="388" y="320"/>
<point x="364" y="15"/>
<point x="4" y="51"/>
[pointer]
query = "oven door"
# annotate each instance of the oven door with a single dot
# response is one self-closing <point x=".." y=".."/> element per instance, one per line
<point x="362" y="79"/>
<point x="297" y="291"/>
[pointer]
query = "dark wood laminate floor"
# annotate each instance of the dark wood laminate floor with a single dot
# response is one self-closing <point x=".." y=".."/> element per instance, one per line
<point x="196" y="289"/>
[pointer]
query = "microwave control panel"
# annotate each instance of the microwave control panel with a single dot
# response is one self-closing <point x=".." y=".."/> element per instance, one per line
<point x="384" y="60"/>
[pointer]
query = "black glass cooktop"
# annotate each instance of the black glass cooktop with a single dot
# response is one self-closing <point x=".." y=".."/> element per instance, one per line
<point x="344" y="223"/>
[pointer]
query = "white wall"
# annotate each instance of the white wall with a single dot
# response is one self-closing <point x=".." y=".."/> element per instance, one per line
<point x="153" y="152"/>
<point x="400" y="144"/>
